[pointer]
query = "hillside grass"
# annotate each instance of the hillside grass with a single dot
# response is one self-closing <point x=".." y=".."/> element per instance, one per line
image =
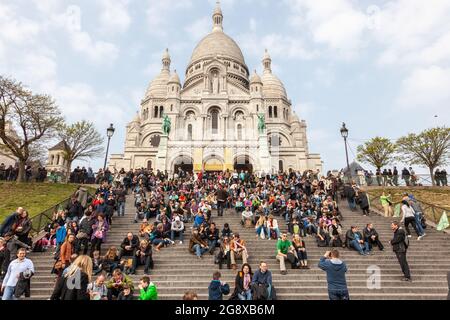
<point x="437" y="196"/>
<point x="34" y="197"/>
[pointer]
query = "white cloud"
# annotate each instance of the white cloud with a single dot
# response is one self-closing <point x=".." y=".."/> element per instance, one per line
<point x="414" y="32"/>
<point x="337" y="24"/>
<point x="114" y="17"/>
<point x="81" y="41"/>
<point x="16" y="30"/>
<point x="426" y="89"/>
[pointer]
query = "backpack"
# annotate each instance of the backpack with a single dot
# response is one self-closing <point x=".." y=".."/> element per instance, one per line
<point x="406" y="239"/>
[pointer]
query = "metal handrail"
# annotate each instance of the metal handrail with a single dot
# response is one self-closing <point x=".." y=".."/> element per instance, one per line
<point x="40" y="221"/>
<point x="419" y="180"/>
<point x="431" y="211"/>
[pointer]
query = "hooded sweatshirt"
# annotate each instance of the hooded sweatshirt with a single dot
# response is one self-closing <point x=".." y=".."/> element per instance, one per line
<point x="335" y="269"/>
<point x="216" y="290"/>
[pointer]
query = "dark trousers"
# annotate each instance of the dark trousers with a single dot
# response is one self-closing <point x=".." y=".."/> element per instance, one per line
<point x="113" y="292"/>
<point x="366" y="210"/>
<point x="338" y="295"/>
<point x="408" y="221"/>
<point x="83" y="243"/>
<point x="147" y="262"/>
<point x="225" y="259"/>
<point x="220" y="206"/>
<point x="401" y="256"/>
<point x="96" y="245"/>
<point x="126" y="253"/>
<point x="376" y="242"/>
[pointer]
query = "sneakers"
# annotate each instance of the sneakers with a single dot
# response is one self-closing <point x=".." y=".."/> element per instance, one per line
<point x="409" y="236"/>
<point x="420" y="237"/>
<point x="284" y="272"/>
<point x="181" y="242"/>
<point x="406" y="279"/>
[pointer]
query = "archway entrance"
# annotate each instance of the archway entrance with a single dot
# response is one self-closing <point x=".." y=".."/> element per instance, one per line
<point x="242" y="163"/>
<point x="185" y="163"/>
<point x="213" y="165"/>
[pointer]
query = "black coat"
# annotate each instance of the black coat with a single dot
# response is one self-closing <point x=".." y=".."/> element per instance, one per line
<point x="398" y="242"/>
<point x="349" y="192"/>
<point x="363" y="201"/>
<point x="212" y="235"/>
<point x="62" y="292"/>
<point x="23" y="287"/>
<point x="134" y="243"/>
<point x="368" y="234"/>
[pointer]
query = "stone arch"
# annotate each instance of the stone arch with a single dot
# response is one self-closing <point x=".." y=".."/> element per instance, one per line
<point x="237" y="108"/>
<point x="146" y="138"/>
<point x="282" y="133"/>
<point x="194" y="109"/>
<point x="183" y="159"/>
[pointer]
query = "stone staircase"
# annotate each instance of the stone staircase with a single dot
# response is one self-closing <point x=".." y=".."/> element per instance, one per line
<point x="177" y="271"/>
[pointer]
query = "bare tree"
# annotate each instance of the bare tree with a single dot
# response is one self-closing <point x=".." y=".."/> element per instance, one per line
<point x="81" y="141"/>
<point x="430" y="148"/>
<point x="25" y="119"/>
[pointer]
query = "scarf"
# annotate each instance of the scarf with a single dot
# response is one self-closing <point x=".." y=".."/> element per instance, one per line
<point x="246" y="281"/>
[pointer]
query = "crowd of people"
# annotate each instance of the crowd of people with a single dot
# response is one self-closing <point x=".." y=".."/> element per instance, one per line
<point x="304" y="204"/>
<point x="392" y="177"/>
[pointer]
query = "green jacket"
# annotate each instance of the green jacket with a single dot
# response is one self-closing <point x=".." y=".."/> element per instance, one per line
<point x="385" y="200"/>
<point x="125" y="280"/>
<point x="150" y="294"/>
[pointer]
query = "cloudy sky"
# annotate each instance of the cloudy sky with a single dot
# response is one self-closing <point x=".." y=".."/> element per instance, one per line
<point x="383" y="67"/>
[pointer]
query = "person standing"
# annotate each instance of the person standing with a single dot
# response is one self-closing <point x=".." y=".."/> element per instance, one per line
<point x="18" y="269"/>
<point x="408" y="218"/>
<point x="336" y="280"/>
<point x="400" y="247"/>
<point x="222" y="196"/>
<point x="395" y="176"/>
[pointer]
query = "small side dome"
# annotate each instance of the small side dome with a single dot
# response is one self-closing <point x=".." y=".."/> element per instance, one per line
<point x="175" y="78"/>
<point x="273" y="87"/>
<point x="255" y="78"/>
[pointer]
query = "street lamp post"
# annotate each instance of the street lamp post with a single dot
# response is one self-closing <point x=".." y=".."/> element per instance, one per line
<point x="109" y="133"/>
<point x="344" y="134"/>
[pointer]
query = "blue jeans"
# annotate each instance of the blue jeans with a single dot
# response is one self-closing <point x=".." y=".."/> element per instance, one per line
<point x="246" y="296"/>
<point x="199" y="251"/>
<point x="338" y="295"/>
<point x="357" y="246"/>
<point x="352" y="203"/>
<point x="8" y="294"/>
<point x="419" y="224"/>
<point x="265" y="229"/>
<point x="121" y="209"/>
<point x="277" y="231"/>
<point x="212" y="245"/>
<point x="173" y="233"/>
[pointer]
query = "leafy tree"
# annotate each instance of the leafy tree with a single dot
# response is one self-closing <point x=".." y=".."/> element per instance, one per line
<point x="378" y="152"/>
<point x="81" y="141"/>
<point x="26" y="120"/>
<point x="430" y="148"/>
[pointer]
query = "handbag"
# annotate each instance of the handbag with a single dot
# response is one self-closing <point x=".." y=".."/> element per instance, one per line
<point x="82" y="235"/>
<point x="98" y="234"/>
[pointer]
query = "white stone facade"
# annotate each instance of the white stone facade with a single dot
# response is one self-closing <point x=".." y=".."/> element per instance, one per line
<point x="214" y="116"/>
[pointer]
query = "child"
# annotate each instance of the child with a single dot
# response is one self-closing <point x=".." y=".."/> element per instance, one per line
<point x="125" y="294"/>
<point x="217" y="288"/>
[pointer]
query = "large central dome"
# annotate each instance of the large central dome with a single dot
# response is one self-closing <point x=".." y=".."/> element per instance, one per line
<point x="217" y="43"/>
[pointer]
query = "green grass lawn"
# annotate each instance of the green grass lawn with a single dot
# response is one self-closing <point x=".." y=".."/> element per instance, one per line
<point x="34" y="197"/>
